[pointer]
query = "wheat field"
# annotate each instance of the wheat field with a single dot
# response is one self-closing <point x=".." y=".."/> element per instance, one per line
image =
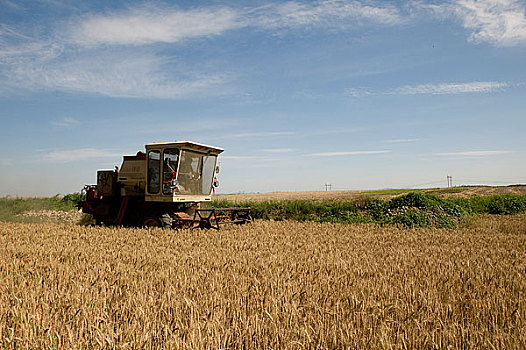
<point x="267" y="285"/>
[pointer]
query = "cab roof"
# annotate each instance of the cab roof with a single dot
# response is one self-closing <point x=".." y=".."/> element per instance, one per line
<point x="185" y="144"/>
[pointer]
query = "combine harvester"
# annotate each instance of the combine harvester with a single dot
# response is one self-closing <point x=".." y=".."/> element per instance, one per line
<point x="163" y="187"/>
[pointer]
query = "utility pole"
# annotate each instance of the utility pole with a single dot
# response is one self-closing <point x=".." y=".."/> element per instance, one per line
<point x="328" y="187"/>
<point x="449" y="181"/>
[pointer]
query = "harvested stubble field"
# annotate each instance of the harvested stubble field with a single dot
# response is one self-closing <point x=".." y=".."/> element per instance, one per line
<point x="266" y="285"/>
<point x="460" y="191"/>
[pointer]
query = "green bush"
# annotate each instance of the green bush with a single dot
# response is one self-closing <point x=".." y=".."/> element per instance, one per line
<point x="507" y="204"/>
<point x="413" y="200"/>
<point x="413" y="217"/>
<point x="417" y="209"/>
<point x="68" y="202"/>
<point x="73" y="199"/>
<point x="427" y="202"/>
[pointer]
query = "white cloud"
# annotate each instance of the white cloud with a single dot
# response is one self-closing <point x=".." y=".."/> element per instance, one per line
<point x="357" y="92"/>
<point x="450" y="88"/>
<point x="499" y="22"/>
<point x="189" y="125"/>
<point x="239" y="157"/>
<point x="348" y="153"/>
<point x="117" y="73"/>
<point x="106" y="54"/>
<point x="402" y="140"/>
<point x="38" y="64"/>
<point x="474" y="153"/>
<point x="326" y="13"/>
<point x="66" y="122"/>
<point x="149" y="25"/>
<point x="15" y="45"/>
<point x="264" y="134"/>
<point x="103" y="55"/>
<point x="73" y="155"/>
<point x="277" y="150"/>
<point x="433" y="89"/>
<point x="10" y="4"/>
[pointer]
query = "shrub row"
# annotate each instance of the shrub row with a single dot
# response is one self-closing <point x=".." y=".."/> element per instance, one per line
<point x="497" y="204"/>
<point x="412" y="210"/>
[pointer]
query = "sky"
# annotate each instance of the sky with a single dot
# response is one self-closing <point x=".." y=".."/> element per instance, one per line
<point x="356" y="94"/>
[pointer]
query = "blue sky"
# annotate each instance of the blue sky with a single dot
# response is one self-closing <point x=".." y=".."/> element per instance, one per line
<point x="358" y="94"/>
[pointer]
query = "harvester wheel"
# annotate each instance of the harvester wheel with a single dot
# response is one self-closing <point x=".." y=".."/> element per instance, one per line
<point x="164" y="221"/>
<point x="150" y="221"/>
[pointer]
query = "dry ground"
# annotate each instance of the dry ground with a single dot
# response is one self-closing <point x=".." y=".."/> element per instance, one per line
<point x="71" y="217"/>
<point x="385" y="194"/>
<point x="268" y="285"/>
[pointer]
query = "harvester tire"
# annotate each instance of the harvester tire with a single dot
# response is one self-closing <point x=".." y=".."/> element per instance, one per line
<point x="164" y="221"/>
<point x="150" y="221"/>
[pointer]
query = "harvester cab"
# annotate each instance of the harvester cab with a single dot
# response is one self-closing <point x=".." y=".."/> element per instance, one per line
<point x="163" y="186"/>
<point x="180" y="171"/>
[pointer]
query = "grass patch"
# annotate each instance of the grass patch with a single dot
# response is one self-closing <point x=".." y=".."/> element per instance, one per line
<point x="11" y="209"/>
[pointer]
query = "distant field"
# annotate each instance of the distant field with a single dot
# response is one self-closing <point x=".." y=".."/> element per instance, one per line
<point x="460" y="191"/>
<point x="267" y="285"/>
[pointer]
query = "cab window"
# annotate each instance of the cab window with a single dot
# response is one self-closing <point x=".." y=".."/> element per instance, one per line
<point x="170" y="160"/>
<point x="154" y="171"/>
<point x="196" y="172"/>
